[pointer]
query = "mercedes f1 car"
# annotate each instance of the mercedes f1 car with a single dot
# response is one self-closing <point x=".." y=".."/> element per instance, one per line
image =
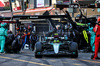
<point x="56" y="46"/>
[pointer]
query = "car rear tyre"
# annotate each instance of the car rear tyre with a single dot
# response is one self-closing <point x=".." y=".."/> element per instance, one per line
<point x="38" y="56"/>
<point x="73" y="47"/>
<point x="75" y="55"/>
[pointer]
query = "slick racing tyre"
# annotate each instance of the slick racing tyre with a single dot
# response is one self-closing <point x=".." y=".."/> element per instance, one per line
<point x="38" y="50"/>
<point x="75" y="54"/>
<point x="73" y="47"/>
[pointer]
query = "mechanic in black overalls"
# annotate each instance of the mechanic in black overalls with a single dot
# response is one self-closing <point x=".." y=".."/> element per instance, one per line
<point x="60" y="29"/>
<point x="80" y="39"/>
<point x="9" y="41"/>
<point x="69" y="31"/>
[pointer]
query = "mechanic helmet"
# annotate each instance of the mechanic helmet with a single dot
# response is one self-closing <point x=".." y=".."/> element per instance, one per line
<point x="98" y="20"/>
<point x="18" y="37"/>
<point x="28" y="33"/>
<point x="9" y="32"/>
<point x="25" y="30"/>
<point x="89" y="24"/>
<point x="77" y="18"/>
<point x="66" y="26"/>
<point x="33" y="32"/>
<point x="58" y="26"/>
<point x="17" y="28"/>
<point x="3" y="24"/>
<point x="29" y="27"/>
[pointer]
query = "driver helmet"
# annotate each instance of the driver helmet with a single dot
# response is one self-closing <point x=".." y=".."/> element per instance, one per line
<point x="56" y="34"/>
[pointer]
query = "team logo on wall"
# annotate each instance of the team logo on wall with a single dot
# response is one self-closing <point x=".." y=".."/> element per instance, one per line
<point x="40" y="3"/>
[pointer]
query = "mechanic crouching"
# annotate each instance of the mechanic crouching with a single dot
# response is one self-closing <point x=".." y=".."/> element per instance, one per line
<point x="3" y="35"/>
<point x="8" y="44"/>
<point x="97" y="39"/>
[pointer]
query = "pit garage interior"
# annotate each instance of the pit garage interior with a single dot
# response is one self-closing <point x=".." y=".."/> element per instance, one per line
<point x="40" y="26"/>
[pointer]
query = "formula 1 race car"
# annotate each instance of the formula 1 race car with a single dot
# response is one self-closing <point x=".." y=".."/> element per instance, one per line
<point x="56" y="46"/>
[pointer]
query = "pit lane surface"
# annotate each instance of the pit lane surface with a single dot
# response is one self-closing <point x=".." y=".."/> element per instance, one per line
<point x="26" y="58"/>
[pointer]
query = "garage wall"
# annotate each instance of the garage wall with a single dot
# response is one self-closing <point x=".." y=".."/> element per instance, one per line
<point x="40" y="28"/>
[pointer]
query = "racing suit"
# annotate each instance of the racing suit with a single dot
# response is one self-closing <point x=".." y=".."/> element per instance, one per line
<point x="97" y="39"/>
<point x="3" y="35"/>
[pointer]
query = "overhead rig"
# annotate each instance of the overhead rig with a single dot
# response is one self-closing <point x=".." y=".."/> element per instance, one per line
<point x="46" y="15"/>
<point x="31" y="17"/>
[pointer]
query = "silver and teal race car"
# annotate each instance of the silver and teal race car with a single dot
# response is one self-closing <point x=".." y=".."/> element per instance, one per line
<point x="56" y="46"/>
